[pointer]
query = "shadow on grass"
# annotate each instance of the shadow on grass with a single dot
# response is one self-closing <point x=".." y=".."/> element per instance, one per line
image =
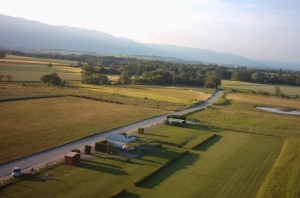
<point x="169" y="170"/>
<point x="164" y="153"/>
<point x="129" y="195"/>
<point x="209" y="143"/>
<point x="203" y="128"/>
<point x="3" y="195"/>
<point x="102" y="164"/>
<point x="151" y="134"/>
<point x="94" y="167"/>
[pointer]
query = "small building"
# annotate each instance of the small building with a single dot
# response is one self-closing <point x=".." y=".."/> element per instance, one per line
<point x="172" y="120"/>
<point x="119" y="141"/>
<point x="72" y="158"/>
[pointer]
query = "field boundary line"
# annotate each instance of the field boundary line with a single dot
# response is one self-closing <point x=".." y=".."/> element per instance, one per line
<point x="30" y="98"/>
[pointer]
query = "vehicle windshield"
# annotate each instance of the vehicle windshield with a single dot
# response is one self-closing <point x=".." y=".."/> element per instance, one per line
<point x="16" y="170"/>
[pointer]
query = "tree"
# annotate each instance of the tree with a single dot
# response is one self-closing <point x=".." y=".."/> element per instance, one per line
<point x="51" y="79"/>
<point x="49" y="65"/>
<point x="9" y="77"/>
<point x="125" y="78"/>
<point x="2" y="55"/>
<point x="212" y="81"/>
<point x="79" y="64"/>
<point x="1" y="76"/>
<point x="277" y="91"/>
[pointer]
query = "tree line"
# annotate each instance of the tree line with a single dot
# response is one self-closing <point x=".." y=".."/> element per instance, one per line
<point x="154" y="72"/>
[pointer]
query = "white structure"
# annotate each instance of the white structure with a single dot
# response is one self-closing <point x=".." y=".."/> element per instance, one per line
<point x="171" y="120"/>
<point x="119" y="140"/>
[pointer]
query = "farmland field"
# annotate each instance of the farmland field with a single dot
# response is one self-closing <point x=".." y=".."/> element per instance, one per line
<point x="33" y="60"/>
<point x="239" y="114"/>
<point x="283" y="180"/>
<point x="33" y="72"/>
<point x="233" y="165"/>
<point x="160" y="97"/>
<point x="290" y="90"/>
<point x="185" y="96"/>
<point x="225" y="163"/>
<point x="30" y="126"/>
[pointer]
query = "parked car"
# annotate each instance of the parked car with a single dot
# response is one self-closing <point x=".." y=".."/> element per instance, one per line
<point x="16" y="172"/>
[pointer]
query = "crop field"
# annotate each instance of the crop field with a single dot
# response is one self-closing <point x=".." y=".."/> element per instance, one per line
<point x="185" y="97"/>
<point x="33" y="60"/>
<point x="185" y="137"/>
<point x="283" y="180"/>
<point x="33" y="72"/>
<point x="181" y="95"/>
<point x="265" y="100"/>
<point x="225" y="163"/>
<point x="239" y="113"/>
<point x="290" y="90"/>
<point x="27" y="125"/>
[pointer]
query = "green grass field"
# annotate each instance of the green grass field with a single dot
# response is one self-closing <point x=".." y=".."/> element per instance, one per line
<point x="95" y="177"/>
<point x="31" y="126"/>
<point x="222" y="167"/>
<point x="185" y="137"/>
<point x="231" y="165"/>
<point x="239" y="113"/>
<point x="245" y="86"/>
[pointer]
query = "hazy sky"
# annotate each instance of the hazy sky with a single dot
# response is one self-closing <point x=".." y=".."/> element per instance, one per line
<point x="258" y="29"/>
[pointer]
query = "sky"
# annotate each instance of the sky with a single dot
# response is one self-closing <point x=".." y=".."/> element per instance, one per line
<point x="257" y="29"/>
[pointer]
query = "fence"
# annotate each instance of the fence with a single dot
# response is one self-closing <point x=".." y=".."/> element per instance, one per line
<point x="27" y="171"/>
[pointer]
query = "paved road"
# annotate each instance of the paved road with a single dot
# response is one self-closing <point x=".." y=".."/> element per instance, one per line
<point x="58" y="153"/>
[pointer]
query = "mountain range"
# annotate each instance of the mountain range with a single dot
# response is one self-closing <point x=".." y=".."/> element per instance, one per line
<point x="23" y="33"/>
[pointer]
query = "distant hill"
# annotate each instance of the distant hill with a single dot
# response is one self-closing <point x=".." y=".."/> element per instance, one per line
<point x="22" y="33"/>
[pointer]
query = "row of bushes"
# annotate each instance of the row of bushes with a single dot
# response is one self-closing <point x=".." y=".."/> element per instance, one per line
<point x="202" y="142"/>
<point x="97" y="99"/>
<point x="168" y="143"/>
<point x="144" y="177"/>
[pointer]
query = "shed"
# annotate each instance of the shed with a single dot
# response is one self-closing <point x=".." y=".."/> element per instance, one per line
<point x="119" y="140"/>
<point x="72" y="158"/>
<point x="172" y="120"/>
